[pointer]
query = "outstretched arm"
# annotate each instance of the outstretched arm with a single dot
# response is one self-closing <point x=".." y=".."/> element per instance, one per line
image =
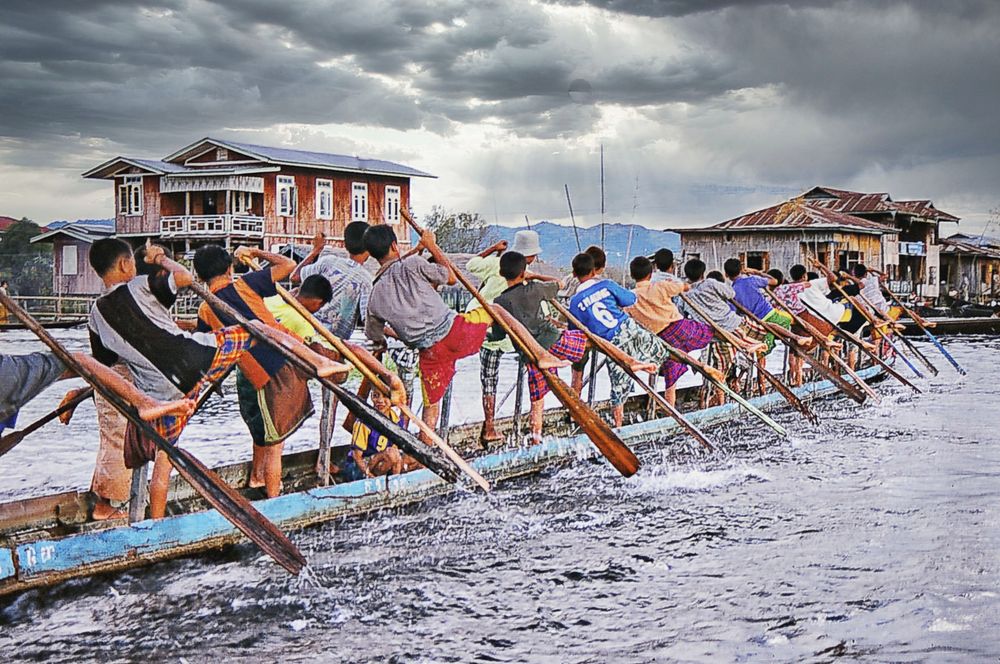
<point x="281" y="266"/>
<point x="155" y="256"/>
<point x="148" y="407"/>
<point x="319" y="242"/>
<point x="429" y="242"/>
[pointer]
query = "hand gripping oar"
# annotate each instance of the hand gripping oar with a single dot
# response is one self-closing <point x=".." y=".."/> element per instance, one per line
<point x="8" y="442"/>
<point x="731" y="340"/>
<point x="884" y="329"/>
<point x="365" y="412"/>
<point x="375" y="381"/>
<point x="614" y="355"/>
<point x="854" y="391"/>
<point x="919" y="321"/>
<point x="776" y="382"/>
<point x="844" y="334"/>
<point x="219" y="495"/>
<point x="602" y="435"/>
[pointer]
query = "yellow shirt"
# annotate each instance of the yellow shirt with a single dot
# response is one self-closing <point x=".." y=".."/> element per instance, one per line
<point x="293" y="321"/>
<point x="654" y="308"/>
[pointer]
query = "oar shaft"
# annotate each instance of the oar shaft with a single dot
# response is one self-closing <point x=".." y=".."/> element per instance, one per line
<point x="10" y="441"/>
<point x="919" y="321"/>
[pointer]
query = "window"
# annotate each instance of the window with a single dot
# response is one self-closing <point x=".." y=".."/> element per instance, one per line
<point x="287" y="203"/>
<point x="130" y="196"/>
<point x="221" y="154"/>
<point x="242" y="202"/>
<point x="756" y="260"/>
<point x="359" y="201"/>
<point x="391" y="212"/>
<point x="69" y="260"/>
<point x="324" y="199"/>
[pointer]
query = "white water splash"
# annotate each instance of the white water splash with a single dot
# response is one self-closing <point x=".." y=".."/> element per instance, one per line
<point x="694" y="480"/>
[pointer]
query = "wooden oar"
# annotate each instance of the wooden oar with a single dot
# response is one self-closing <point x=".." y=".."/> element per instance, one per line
<point x="375" y="381"/>
<point x="920" y="323"/>
<point x="776" y="382"/>
<point x="885" y="328"/>
<point x="602" y="435"/>
<point x="615" y="355"/>
<point x="219" y="495"/>
<point x="818" y="366"/>
<point x="730" y="339"/>
<point x="364" y="411"/>
<point x="8" y="442"/>
<point x="844" y="334"/>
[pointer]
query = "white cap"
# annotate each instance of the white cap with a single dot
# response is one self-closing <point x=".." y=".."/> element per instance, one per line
<point x="526" y="243"/>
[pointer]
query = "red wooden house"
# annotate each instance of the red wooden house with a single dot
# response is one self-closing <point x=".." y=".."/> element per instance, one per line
<point x="217" y="191"/>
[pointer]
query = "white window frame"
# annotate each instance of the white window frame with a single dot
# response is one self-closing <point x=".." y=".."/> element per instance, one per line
<point x="221" y="154"/>
<point x="242" y="202"/>
<point x="324" y="190"/>
<point x="70" y="258"/>
<point x="393" y="198"/>
<point x="359" y="201"/>
<point x="130" y="196"/>
<point x="289" y="206"/>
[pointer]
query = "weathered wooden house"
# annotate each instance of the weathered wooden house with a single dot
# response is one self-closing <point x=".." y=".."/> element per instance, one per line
<point x="71" y="271"/>
<point x="218" y="191"/>
<point x="970" y="267"/>
<point x="783" y="235"/>
<point x="918" y="269"/>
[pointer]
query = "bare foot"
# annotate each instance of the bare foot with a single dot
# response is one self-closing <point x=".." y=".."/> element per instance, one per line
<point x="72" y="394"/>
<point x="757" y="348"/>
<point x="648" y="367"/>
<point x="328" y="368"/>
<point x="550" y="361"/>
<point x="489" y="434"/>
<point x="103" y="511"/>
<point x="804" y="342"/>
<point x="157" y="409"/>
<point x="715" y="374"/>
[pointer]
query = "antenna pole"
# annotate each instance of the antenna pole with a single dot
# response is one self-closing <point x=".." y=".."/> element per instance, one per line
<point x="602" y="195"/>
<point x="572" y="218"/>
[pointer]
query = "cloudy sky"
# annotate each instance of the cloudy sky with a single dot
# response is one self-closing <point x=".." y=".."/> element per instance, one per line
<point x="705" y="109"/>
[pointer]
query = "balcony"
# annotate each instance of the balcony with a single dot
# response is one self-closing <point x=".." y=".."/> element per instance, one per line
<point x="211" y="225"/>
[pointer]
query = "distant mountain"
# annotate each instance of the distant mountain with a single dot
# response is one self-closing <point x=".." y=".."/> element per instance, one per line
<point x="559" y="243"/>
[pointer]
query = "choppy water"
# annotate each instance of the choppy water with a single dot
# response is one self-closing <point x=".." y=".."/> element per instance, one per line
<point x="874" y="537"/>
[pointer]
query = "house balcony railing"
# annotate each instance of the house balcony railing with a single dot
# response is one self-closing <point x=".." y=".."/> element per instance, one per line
<point x="212" y="225"/>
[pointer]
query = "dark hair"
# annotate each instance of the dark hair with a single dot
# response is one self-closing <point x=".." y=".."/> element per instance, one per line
<point x="600" y="258"/>
<point x="715" y="274"/>
<point x="148" y="269"/>
<point x="354" y="237"/>
<point x="812" y="275"/>
<point x="318" y="287"/>
<point x="694" y="269"/>
<point x="664" y="259"/>
<point x="211" y="261"/>
<point x="378" y="240"/>
<point x="733" y="267"/>
<point x="512" y="265"/>
<point x="105" y="253"/>
<point x="640" y="268"/>
<point x="796" y="272"/>
<point x="583" y="264"/>
<point x="860" y="270"/>
<point x="778" y="276"/>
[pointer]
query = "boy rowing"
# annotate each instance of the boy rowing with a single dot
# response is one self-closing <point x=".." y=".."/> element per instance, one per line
<point x="273" y="395"/>
<point x="599" y="304"/>
<point x="405" y="299"/>
<point x="524" y="298"/>
<point x="655" y="310"/>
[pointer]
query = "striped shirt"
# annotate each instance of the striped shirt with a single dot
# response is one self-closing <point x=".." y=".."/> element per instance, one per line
<point x="131" y="322"/>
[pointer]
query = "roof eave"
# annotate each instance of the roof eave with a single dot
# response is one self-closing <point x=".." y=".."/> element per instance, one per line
<point x="341" y="169"/>
<point x="92" y="174"/>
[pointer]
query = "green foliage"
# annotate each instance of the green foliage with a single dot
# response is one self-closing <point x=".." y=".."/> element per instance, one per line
<point x="462" y="232"/>
<point x="28" y="267"/>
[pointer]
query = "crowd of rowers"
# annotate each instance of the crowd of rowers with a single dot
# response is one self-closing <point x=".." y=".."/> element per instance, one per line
<point x="161" y="365"/>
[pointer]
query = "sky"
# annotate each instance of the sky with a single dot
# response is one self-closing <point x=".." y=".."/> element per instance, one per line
<point x="705" y="110"/>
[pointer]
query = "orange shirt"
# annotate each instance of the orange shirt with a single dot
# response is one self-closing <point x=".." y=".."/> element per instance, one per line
<point x="654" y="308"/>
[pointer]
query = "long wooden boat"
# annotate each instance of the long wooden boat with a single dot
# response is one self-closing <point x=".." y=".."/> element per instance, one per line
<point x="948" y="326"/>
<point x="47" y="540"/>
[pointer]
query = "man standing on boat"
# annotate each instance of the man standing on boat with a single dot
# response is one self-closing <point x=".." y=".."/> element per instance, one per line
<point x="351" y="286"/>
<point x="486" y="266"/>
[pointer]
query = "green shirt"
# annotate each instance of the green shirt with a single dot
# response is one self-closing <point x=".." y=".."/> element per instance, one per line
<point x="488" y="271"/>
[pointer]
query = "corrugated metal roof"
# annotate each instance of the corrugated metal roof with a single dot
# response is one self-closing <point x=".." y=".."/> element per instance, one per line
<point x="795" y="214"/>
<point x="323" y="159"/>
<point x="924" y="208"/>
<point x="952" y="246"/>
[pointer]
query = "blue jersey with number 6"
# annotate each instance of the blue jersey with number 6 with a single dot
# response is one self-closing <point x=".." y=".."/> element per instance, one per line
<point x="598" y="305"/>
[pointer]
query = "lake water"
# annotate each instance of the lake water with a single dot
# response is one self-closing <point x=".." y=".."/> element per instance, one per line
<point x="873" y="537"/>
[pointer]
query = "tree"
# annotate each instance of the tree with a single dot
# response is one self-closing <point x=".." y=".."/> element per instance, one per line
<point x="462" y="232"/>
<point x="27" y="266"/>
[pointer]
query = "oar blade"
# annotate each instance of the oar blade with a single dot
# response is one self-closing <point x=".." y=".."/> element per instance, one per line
<point x="602" y="435"/>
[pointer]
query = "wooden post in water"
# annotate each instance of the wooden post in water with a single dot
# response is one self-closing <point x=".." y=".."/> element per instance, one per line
<point x="444" y="427"/>
<point x="138" y="494"/>
<point x="592" y="392"/>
